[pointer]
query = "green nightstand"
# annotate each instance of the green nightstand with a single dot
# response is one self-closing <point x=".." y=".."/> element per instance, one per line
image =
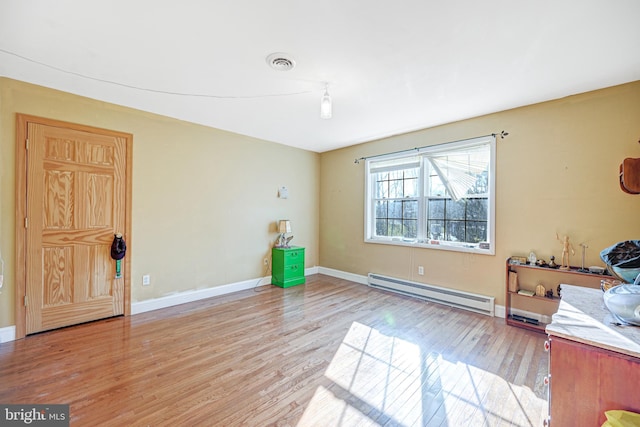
<point x="287" y="266"/>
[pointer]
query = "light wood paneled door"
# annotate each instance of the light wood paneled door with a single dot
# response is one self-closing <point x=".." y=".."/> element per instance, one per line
<point x="76" y="200"/>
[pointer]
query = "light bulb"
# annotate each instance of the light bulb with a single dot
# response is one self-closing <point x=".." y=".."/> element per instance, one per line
<point x="325" y="105"/>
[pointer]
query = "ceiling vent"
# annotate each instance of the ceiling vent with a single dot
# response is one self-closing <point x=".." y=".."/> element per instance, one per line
<point x="281" y="61"/>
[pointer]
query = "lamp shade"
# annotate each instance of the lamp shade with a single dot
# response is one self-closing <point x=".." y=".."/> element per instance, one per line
<point x="284" y="226"/>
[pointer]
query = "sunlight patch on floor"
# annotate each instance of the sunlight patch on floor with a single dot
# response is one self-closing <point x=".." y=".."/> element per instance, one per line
<point x="326" y="409"/>
<point x="377" y="379"/>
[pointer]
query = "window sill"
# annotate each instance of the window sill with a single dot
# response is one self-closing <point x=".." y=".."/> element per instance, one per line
<point x="474" y="249"/>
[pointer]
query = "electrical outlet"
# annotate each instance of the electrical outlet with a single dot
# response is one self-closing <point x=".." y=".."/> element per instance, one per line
<point x="146" y="280"/>
<point x="420" y="270"/>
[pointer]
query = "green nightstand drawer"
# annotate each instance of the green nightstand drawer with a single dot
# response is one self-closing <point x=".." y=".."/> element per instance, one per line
<point x="294" y="256"/>
<point x="287" y="266"/>
<point x="292" y="271"/>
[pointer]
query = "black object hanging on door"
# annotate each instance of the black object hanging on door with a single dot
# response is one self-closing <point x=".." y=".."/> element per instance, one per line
<point x="118" y="251"/>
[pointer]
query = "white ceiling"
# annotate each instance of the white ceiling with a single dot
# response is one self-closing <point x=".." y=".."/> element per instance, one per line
<point x="391" y="67"/>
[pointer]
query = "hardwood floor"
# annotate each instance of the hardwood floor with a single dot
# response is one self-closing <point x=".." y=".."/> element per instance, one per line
<point x="328" y="353"/>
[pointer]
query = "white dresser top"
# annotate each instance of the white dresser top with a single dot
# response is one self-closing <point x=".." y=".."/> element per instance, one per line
<point x="583" y="317"/>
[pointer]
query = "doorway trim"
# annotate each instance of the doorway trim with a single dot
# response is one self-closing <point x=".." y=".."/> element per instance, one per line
<point x="22" y="122"/>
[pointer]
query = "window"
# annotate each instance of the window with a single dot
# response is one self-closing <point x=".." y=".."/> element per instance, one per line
<point x="440" y="196"/>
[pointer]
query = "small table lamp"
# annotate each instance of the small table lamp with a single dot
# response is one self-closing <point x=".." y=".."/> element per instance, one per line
<point x="284" y="227"/>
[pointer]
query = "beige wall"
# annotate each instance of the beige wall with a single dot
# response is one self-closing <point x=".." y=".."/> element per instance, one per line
<point x="210" y="195"/>
<point x="215" y="192"/>
<point x="557" y="171"/>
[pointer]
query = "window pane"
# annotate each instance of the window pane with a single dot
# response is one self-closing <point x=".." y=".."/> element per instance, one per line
<point x="481" y="185"/>
<point x="396" y="184"/>
<point x="463" y="171"/>
<point x="410" y="187"/>
<point x="382" y="176"/>
<point x="455" y="210"/>
<point x="396" y="190"/>
<point x="477" y="209"/>
<point x="435" y="229"/>
<point x="454" y="231"/>
<point x="381" y="227"/>
<point x="412" y="173"/>
<point x="476" y="231"/>
<point x="465" y="220"/>
<point x="395" y="227"/>
<point x="397" y="174"/>
<point x="410" y="209"/>
<point x="436" y="209"/>
<point x="436" y="187"/>
<point x="382" y="189"/>
<point x="410" y="229"/>
<point x="395" y="209"/>
<point x="381" y="209"/>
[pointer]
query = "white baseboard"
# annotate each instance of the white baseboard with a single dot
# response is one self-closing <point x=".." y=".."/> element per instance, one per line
<point x="191" y="296"/>
<point x="198" y="294"/>
<point x="343" y="275"/>
<point x="7" y="333"/>
<point x="499" y="311"/>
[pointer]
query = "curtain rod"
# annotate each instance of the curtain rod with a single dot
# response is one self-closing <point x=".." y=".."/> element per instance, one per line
<point x="502" y="135"/>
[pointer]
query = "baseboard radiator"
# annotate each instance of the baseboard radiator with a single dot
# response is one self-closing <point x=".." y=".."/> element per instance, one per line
<point x="451" y="297"/>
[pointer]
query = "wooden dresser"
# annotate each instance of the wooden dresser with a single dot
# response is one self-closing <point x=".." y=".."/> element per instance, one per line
<point x="594" y="363"/>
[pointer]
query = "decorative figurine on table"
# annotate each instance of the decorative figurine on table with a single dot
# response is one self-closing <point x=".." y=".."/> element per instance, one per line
<point x="552" y="263"/>
<point x="566" y="246"/>
<point x="584" y="252"/>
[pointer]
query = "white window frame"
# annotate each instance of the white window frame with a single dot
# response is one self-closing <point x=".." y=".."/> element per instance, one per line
<point x="422" y="239"/>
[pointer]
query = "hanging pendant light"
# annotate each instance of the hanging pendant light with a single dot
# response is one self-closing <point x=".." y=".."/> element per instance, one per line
<point x="325" y="104"/>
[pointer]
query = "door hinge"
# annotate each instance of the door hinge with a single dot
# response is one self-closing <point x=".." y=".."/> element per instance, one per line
<point x="26" y="222"/>
<point x="27" y="143"/>
<point x="25" y="300"/>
